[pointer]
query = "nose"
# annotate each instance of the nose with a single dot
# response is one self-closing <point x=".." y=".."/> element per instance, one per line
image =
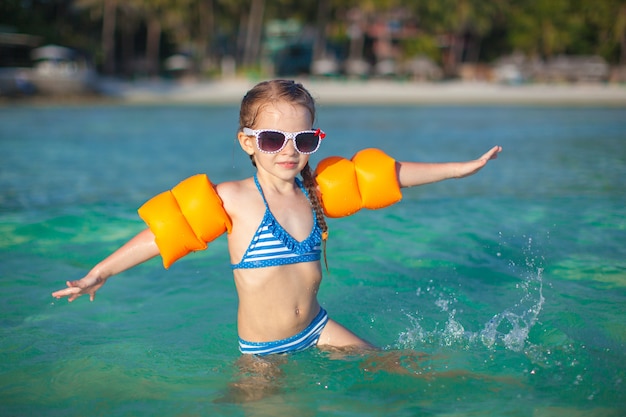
<point x="290" y="147"/>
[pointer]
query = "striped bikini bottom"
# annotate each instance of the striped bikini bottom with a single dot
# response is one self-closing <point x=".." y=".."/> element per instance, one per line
<point x="301" y="341"/>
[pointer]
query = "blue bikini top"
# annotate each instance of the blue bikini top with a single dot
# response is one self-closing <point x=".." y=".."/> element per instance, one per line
<point x="272" y="245"/>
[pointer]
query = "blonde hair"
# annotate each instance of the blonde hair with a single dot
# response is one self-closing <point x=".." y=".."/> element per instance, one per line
<point x="272" y="91"/>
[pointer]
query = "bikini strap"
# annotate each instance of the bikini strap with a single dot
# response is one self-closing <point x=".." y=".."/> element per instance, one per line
<point x="301" y="185"/>
<point x="258" y="187"/>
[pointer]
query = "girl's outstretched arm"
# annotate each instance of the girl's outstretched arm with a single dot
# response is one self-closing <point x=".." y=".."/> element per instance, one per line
<point x="137" y="250"/>
<point x="411" y="174"/>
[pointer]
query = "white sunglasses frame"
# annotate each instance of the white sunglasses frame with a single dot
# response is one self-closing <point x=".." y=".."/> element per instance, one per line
<point x="288" y="135"/>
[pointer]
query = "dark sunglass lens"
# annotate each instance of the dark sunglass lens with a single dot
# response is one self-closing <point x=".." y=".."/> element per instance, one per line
<point x="271" y="141"/>
<point x="307" y="142"/>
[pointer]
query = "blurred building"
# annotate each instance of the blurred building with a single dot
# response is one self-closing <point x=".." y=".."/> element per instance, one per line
<point x="26" y="68"/>
<point x="16" y="62"/>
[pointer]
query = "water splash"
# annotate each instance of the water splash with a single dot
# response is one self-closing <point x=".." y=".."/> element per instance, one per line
<point x="509" y="328"/>
<point x="512" y="326"/>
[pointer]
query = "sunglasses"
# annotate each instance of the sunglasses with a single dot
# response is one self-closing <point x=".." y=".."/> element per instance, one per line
<point x="273" y="141"/>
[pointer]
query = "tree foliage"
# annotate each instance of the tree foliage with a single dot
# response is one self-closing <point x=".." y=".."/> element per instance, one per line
<point x="119" y="34"/>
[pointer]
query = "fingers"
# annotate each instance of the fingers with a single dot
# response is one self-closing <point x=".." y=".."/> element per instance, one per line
<point x="72" y="292"/>
<point x="83" y="286"/>
<point x="491" y="154"/>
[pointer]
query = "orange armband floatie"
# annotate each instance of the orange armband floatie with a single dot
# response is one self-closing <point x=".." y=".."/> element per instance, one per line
<point x="368" y="180"/>
<point x="185" y="218"/>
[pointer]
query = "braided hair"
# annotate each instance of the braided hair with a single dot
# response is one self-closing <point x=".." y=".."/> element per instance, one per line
<point x="273" y="91"/>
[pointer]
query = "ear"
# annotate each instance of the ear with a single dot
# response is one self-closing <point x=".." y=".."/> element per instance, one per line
<point x="247" y="143"/>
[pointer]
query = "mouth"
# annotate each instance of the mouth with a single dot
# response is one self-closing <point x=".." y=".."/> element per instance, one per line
<point x="288" y="164"/>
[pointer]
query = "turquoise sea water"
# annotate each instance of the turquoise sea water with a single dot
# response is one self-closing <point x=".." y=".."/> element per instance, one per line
<point x="499" y="294"/>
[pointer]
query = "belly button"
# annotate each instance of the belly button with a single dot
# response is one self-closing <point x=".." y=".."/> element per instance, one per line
<point x="297" y="311"/>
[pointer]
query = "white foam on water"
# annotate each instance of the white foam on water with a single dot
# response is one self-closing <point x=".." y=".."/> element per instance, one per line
<point x="509" y="328"/>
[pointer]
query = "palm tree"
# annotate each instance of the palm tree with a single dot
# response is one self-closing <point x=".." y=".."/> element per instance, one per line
<point x="105" y="9"/>
<point x="252" y="47"/>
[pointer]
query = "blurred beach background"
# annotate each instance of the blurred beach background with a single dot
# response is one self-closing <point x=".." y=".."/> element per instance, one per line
<point x="464" y="51"/>
<point x="499" y="294"/>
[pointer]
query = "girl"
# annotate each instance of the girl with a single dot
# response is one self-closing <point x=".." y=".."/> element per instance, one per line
<point x="275" y="221"/>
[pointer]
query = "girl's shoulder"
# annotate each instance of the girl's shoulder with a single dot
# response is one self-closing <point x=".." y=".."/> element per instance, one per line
<point x="236" y="192"/>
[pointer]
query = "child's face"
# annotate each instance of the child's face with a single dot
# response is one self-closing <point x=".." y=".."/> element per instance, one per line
<point x="286" y="117"/>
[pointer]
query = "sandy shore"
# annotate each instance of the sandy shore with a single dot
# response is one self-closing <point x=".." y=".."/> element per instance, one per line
<point x="352" y="92"/>
<point x="385" y="92"/>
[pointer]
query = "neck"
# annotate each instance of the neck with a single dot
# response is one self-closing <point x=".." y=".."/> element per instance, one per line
<point x="274" y="184"/>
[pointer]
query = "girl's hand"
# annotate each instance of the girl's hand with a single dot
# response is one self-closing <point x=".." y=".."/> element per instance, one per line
<point x="471" y="167"/>
<point x="137" y="250"/>
<point x="411" y="174"/>
<point x="87" y="285"/>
